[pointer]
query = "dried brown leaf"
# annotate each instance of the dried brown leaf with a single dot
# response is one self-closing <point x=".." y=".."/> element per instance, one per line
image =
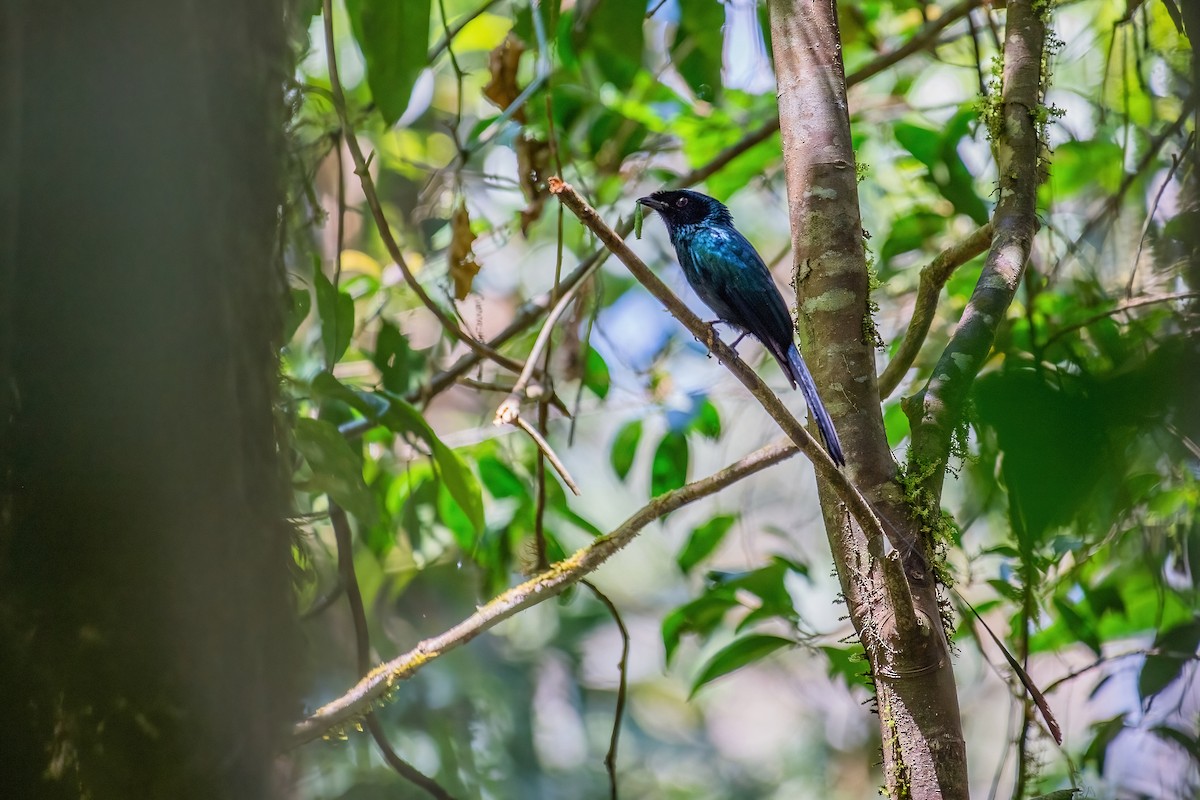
<point x="463" y="266"/>
<point x="533" y="164"/>
<point x="503" y="62"/>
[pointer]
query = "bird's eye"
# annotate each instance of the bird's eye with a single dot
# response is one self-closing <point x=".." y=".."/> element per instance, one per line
<point x="681" y="202"/>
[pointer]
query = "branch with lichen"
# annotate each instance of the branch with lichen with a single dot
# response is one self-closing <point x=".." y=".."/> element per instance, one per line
<point x="938" y="407"/>
<point x="933" y="277"/>
<point x="382" y="680"/>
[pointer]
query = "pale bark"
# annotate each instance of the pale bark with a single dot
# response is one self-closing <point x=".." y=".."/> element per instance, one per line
<point x="894" y="608"/>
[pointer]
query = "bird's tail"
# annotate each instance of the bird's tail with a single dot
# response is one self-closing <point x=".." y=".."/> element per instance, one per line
<point x="799" y="374"/>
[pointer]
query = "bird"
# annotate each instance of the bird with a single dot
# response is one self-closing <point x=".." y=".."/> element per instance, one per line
<point x="730" y="277"/>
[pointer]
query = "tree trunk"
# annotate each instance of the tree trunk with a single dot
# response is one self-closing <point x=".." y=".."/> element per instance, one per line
<point x="892" y="600"/>
<point x="144" y="554"/>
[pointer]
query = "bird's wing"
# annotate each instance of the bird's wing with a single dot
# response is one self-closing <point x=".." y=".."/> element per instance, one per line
<point x="735" y="283"/>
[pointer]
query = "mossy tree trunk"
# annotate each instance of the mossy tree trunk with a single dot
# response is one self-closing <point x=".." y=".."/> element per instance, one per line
<point x="148" y="634"/>
<point x="892" y="601"/>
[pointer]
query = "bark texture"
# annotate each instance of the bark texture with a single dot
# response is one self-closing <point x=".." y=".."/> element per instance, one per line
<point x="144" y="555"/>
<point x="892" y="600"/>
<point x="937" y="409"/>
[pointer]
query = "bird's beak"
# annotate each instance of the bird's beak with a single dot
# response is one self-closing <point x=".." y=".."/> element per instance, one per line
<point x="650" y="202"/>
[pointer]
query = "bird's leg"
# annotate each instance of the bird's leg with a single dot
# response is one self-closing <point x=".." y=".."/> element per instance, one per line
<point x="738" y="341"/>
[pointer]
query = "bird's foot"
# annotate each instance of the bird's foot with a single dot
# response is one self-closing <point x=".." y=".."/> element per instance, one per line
<point x="712" y="334"/>
<point x="738" y="341"/>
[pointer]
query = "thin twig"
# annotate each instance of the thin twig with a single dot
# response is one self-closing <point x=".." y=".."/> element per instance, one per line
<point x="1176" y="160"/>
<point x="323" y="603"/>
<point x="654" y="10"/>
<point x="546" y="450"/>
<point x="362" y="641"/>
<point x="385" y="231"/>
<point x="455" y="29"/>
<point x="510" y="406"/>
<point x="1122" y="307"/>
<point x="1102" y="660"/>
<point x="610" y="758"/>
<point x="383" y="679"/>
<point x="1112" y="204"/>
<point x="539" y="510"/>
<point x="1023" y="676"/>
<point x="527" y="315"/>
<point x="933" y="278"/>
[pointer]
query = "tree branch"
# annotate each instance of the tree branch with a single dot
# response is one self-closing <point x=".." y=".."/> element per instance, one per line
<point x="895" y="614"/>
<point x="938" y="407"/>
<point x="728" y="357"/>
<point x="382" y="680"/>
<point x="933" y="278"/>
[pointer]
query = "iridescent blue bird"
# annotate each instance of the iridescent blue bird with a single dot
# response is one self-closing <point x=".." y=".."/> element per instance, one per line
<point x="730" y="277"/>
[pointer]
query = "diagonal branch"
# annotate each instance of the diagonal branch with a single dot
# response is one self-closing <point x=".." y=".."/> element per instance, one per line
<point x="933" y="278"/>
<point x="938" y="407"/>
<point x="380" y="682"/>
<point x="858" y="505"/>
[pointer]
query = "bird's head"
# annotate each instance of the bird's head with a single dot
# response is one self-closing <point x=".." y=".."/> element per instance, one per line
<point x="683" y="208"/>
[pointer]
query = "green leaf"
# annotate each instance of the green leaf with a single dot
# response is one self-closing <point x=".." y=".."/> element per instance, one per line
<point x="911" y="232"/>
<point x="938" y="151"/>
<point x="297" y="312"/>
<point x="736" y="655"/>
<point x="698" y="38"/>
<point x="500" y="480"/>
<point x="669" y="468"/>
<point x="923" y="143"/>
<point x="1080" y="167"/>
<point x="456" y="520"/>
<point x="1083" y="629"/>
<point x="398" y="364"/>
<point x="701" y="616"/>
<point x="1178" y="646"/>
<point x="849" y="663"/>
<point x="394" y="38"/>
<point x="624" y="447"/>
<point x="767" y="583"/>
<point x="336" y="310"/>
<point x="337" y="469"/>
<point x="707" y="421"/>
<point x="400" y="417"/>
<point x="451" y="468"/>
<point x="895" y="422"/>
<point x="595" y="373"/>
<point x="1106" y="731"/>
<point x="703" y="540"/>
<point x="614" y="29"/>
